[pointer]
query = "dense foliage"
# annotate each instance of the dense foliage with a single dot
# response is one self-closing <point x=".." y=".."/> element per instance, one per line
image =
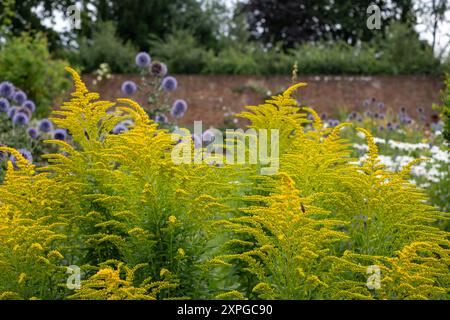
<point x="293" y="22"/>
<point x="142" y="227"/>
<point x="26" y="62"/>
<point x="381" y="56"/>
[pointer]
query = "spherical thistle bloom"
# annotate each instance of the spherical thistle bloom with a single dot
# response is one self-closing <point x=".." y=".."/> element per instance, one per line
<point x="119" y="128"/>
<point x="20" y="97"/>
<point x="60" y="134"/>
<point x="376" y="115"/>
<point x="143" y="59"/>
<point x="25" y="153"/>
<point x="323" y="116"/>
<point x="381" y="105"/>
<point x="402" y="110"/>
<point x="11" y="112"/>
<point x="360" y="119"/>
<point x="366" y="103"/>
<point x="368" y="113"/>
<point x="29" y="105"/>
<point x="381" y="127"/>
<point x="6" y="89"/>
<point x="382" y="116"/>
<point x="310" y="117"/>
<point x="420" y="110"/>
<point x="25" y="111"/>
<point x="158" y="69"/>
<point x="129" y="87"/>
<point x="389" y="126"/>
<point x="179" y="107"/>
<point x="208" y="135"/>
<point x="161" y="118"/>
<point x="406" y="120"/>
<point x="32" y="133"/>
<point x="20" y="119"/>
<point x="397" y="126"/>
<point x="169" y="84"/>
<point x="4" y="105"/>
<point x="45" y="126"/>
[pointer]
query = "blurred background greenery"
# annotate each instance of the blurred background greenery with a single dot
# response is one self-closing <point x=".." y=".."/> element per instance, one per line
<point x="260" y="37"/>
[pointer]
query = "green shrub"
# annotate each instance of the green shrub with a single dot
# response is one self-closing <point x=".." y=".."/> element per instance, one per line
<point x="104" y="47"/>
<point x="26" y="62"/>
<point x="389" y="55"/>
<point x="181" y="51"/>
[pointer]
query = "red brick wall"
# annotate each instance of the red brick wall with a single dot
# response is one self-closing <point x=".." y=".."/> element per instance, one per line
<point x="208" y="94"/>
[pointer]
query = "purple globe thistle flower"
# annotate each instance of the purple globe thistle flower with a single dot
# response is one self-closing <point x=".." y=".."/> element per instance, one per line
<point x="119" y="128"/>
<point x="366" y="103"/>
<point x="406" y="120"/>
<point x="169" y="83"/>
<point x="129" y="87"/>
<point x="402" y="110"/>
<point x="25" y="153"/>
<point x="60" y="134"/>
<point x="376" y="115"/>
<point x="397" y="126"/>
<point x="158" y="69"/>
<point x="381" y="127"/>
<point x="179" y="107"/>
<point x="381" y="105"/>
<point x="323" y="116"/>
<point x="29" y="105"/>
<point x="389" y="126"/>
<point x="32" y="133"/>
<point x="143" y="59"/>
<point x="6" y="89"/>
<point x="45" y="126"/>
<point x="422" y="118"/>
<point x="161" y="118"/>
<point x="368" y="113"/>
<point x="208" y="135"/>
<point x="4" y="105"/>
<point x="20" y="97"/>
<point x="360" y="119"/>
<point x="11" y="112"/>
<point x="382" y="116"/>
<point x="420" y="110"/>
<point x="25" y="111"/>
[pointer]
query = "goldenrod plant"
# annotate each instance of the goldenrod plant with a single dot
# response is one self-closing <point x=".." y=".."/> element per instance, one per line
<point x="137" y="225"/>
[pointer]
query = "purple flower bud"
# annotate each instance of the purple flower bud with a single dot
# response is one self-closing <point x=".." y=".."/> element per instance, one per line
<point x="6" y="89"/>
<point x="129" y="87"/>
<point x="25" y="153"/>
<point x="20" y="97"/>
<point x="12" y="111"/>
<point x="143" y="59"/>
<point x="29" y="105"/>
<point x="60" y="134"/>
<point x="179" y="107"/>
<point x="45" y="126"/>
<point x="158" y="69"/>
<point x="161" y="118"/>
<point x="4" y="105"/>
<point x="32" y="133"/>
<point x="169" y="83"/>
<point x="119" y="128"/>
<point x="20" y="119"/>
